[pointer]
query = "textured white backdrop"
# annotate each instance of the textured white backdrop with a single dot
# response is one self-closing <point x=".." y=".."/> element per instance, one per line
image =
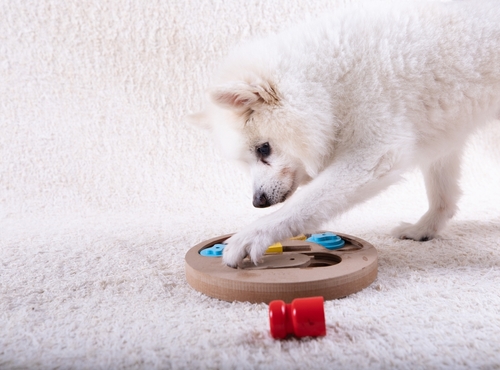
<point x="103" y="188"/>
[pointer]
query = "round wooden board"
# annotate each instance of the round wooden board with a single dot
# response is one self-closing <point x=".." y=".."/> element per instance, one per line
<point x="329" y="273"/>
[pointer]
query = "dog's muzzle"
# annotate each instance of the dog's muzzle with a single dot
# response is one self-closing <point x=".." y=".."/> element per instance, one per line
<point x="260" y="200"/>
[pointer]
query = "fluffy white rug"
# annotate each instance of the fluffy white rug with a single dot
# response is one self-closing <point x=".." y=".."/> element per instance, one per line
<point x="103" y="189"/>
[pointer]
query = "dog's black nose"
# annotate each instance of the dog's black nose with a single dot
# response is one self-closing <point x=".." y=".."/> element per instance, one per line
<point x="260" y="200"/>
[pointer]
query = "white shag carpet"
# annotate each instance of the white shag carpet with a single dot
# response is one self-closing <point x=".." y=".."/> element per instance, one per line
<point x="103" y="189"/>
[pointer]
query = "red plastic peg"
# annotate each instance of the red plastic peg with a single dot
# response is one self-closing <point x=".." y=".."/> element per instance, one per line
<point x="304" y="317"/>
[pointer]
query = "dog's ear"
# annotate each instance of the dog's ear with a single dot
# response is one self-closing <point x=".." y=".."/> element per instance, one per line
<point x="199" y="119"/>
<point x="244" y="95"/>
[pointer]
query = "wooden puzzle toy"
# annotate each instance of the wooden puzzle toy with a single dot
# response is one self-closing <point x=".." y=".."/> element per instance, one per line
<point x="324" y="264"/>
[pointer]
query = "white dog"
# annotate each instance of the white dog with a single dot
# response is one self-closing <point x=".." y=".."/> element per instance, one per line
<point x="345" y="104"/>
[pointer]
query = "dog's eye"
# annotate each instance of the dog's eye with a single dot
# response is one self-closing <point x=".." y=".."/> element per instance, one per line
<point x="264" y="150"/>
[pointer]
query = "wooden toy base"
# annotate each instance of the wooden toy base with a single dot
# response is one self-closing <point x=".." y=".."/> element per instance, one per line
<point x="308" y="270"/>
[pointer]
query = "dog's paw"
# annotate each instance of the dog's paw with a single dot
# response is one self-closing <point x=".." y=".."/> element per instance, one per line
<point x="234" y="252"/>
<point x="252" y="242"/>
<point x="417" y="232"/>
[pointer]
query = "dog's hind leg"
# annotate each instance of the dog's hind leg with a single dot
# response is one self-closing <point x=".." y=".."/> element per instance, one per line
<point x="443" y="192"/>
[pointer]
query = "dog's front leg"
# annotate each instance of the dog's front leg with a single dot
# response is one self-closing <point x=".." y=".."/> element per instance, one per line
<point x="339" y="187"/>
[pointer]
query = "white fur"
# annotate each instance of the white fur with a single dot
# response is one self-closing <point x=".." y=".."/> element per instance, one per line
<point x="351" y="101"/>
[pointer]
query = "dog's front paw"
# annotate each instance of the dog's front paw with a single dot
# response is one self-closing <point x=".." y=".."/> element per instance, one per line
<point x="417" y="232"/>
<point x="252" y="242"/>
<point x="234" y="252"/>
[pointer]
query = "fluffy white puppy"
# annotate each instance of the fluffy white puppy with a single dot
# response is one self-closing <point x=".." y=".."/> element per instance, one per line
<point x="342" y="106"/>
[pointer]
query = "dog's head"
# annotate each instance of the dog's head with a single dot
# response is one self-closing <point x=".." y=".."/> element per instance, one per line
<point x="253" y="122"/>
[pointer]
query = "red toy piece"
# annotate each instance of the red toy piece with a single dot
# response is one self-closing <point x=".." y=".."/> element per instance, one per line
<point x="304" y="317"/>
